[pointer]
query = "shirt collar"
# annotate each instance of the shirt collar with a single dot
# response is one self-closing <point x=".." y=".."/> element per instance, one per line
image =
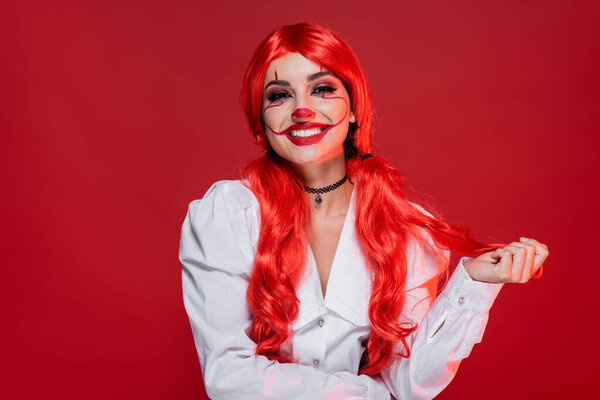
<point x="349" y="285"/>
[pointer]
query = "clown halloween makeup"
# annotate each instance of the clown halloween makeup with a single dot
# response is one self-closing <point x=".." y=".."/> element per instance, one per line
<point x="305" y="109"/>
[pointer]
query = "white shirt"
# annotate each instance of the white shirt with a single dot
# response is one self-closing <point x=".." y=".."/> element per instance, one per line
<point x="218" y="242"/>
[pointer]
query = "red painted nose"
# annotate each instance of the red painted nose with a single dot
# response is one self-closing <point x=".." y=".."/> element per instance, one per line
<point x="303" y="113"/>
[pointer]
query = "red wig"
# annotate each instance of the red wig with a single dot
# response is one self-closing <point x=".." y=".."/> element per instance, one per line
<point x="384" y="218"/>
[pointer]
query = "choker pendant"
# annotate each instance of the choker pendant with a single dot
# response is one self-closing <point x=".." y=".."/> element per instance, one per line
<point x="320" y="191"/>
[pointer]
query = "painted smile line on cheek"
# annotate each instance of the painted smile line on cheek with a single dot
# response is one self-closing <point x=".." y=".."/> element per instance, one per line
<point x="274" y="105"/>
<point x="345" y="112"/>
<point x="284" y="132"/>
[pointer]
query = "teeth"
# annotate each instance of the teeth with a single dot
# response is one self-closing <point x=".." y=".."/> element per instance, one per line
<point x="306" y="132"/>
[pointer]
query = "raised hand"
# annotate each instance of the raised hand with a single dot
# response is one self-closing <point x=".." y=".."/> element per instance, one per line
<point x="517" y="263"/>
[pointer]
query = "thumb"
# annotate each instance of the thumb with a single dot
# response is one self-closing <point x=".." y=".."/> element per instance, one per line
<point x="505" y="263"/>
<point x="495" y="256"/>
<point x="494" y="266"/>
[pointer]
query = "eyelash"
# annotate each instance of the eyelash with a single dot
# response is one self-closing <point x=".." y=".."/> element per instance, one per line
<point x="282" y="94"/>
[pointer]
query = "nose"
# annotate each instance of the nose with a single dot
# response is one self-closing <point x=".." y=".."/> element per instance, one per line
<point x="303" y="113"/>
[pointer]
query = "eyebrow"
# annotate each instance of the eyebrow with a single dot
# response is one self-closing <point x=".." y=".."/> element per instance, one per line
<point x="310" y="78"/>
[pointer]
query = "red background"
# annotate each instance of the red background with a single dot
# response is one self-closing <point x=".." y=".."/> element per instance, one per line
<point x="116" y="114"/>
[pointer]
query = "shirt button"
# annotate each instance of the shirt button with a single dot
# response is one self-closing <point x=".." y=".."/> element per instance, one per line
<point x="461" y="300"/>
<point x="316" y="362"/>
<point x="321" y="322"/>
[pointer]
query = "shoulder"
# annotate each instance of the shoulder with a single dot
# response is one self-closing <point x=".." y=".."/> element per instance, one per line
<point x="420" y="208"/>
<point x="223" y="223"/>
<point x="424" y="236"/>
<point x="231" y="196"/>
<point x="428" y="259"/>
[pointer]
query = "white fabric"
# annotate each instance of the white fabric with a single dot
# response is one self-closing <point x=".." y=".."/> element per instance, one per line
<point x="218" y="242"/>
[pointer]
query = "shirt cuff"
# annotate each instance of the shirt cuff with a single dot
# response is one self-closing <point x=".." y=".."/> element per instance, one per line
<point x="464" y="293"/>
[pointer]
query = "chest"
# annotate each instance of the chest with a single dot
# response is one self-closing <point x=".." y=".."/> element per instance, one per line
<point x="324" y="240"/>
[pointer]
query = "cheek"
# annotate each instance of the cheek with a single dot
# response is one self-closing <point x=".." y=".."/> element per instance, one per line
<point x="272" y="109"/>
<point x="335" y="106"/>
<point x="275" y="114"/>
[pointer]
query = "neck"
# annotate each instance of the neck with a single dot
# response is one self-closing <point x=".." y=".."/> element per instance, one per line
<point x="318" y="175"/>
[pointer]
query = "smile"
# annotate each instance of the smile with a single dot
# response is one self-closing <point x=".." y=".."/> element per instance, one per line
<point x="306" y="132"/>
<point x="306" y="137"/>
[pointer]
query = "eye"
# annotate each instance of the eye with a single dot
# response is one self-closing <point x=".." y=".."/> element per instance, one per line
<point x="324" y="89"/>
<point x="278" y="95"/>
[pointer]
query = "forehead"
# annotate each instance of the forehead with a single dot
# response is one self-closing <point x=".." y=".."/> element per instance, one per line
<point x="290" y="67"/>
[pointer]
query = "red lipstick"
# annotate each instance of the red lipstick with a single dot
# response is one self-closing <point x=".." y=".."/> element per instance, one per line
<point x="304" y="141"/>
<point x="300" y="127"/>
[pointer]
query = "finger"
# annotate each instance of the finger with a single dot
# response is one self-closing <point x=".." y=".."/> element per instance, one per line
<point x="535" y="243"/>
<point x="504" y="267"/>
<point x="541" y="253"/>
<point x="528" y="265"/>
<point x="538" y="273"/>
<point x="495" y="256"/>
<point x="518" y="261"/>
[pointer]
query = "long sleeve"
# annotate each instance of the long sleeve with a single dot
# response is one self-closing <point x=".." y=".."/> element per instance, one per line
<point x="448" y="329"/>
<point x="216" y="252"/>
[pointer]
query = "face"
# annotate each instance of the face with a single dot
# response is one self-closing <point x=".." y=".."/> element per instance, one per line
<point x="306" y="110"/>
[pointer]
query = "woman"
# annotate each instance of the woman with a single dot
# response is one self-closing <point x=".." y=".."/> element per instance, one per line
<point x="312" y="277"/>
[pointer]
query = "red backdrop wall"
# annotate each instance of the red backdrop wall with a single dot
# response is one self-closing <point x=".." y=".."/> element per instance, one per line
<point x="116" y="114"/>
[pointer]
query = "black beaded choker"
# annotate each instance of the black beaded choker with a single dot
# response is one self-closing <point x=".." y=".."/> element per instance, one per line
<point x="319" y="191"/>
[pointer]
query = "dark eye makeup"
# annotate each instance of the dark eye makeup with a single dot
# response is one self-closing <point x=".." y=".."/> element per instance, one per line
<point x="278" y="95"/>
<point x="281" y="94"/>
<point x="324" y="89"/>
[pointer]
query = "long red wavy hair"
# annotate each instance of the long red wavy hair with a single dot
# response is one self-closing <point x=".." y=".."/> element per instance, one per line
<point x="384" y="218"/>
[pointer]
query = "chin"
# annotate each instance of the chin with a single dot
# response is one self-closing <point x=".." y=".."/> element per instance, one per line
<point x="306" y="159"/>
<point x="318" y="158"/>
